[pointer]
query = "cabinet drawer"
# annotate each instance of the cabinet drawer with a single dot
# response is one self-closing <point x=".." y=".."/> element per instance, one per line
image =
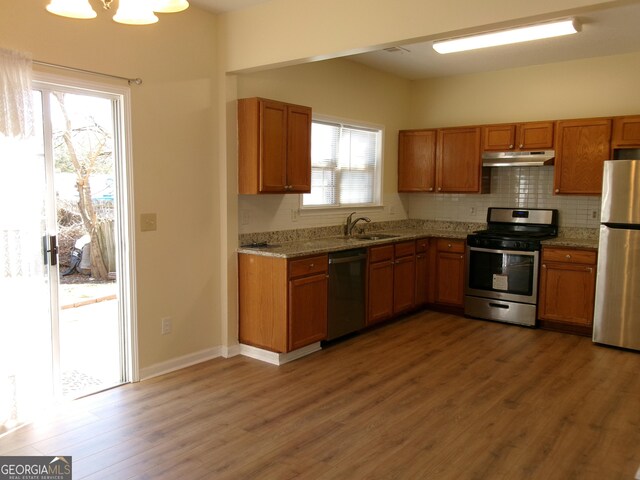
<point x="404" y="249"/>
<point x="422" y="245"/>
<point x="567" y="255"/>
<point x="308" y="266"/>
<point x="379" y="254"/>
<point x="448" y="245"/>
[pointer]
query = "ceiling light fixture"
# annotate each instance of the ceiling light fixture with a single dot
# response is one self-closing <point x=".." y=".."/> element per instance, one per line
<point x="130" y="12"/>
<point x="505" y="37"/>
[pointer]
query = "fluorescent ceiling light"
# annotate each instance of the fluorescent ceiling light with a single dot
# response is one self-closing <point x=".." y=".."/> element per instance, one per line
<point x="505" y="37"/>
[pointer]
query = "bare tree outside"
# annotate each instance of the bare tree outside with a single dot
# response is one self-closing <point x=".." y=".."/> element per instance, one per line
<point x="84" y="149"/>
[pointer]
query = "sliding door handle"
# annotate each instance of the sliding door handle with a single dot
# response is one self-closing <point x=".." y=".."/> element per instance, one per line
<point x="50" y="249"/>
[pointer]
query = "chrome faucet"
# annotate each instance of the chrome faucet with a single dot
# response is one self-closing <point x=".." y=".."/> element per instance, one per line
<point x="348" y="228"/>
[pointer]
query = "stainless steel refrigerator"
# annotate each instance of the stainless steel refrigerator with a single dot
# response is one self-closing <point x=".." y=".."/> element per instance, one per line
<point x="617" y="306"/>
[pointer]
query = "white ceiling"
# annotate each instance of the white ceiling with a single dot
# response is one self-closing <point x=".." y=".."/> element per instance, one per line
<point x="604" y="32"/>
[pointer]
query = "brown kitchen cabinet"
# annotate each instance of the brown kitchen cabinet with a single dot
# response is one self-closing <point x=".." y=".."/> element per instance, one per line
<point x="626" y="132"/>
<point x="458" y="161"/>
<point x="274" y="147"/>
<point x="520" y="136"/>
<point x="582" y="146"/>
<point x="282" y="303"/>
<point x="423" y="272"/>
<point x="450" y="272"/>
<point x="404" y="276"/>
<point x="391" y="280"/>
<point x="567" y="289"/>
<point x="417" y="160"/>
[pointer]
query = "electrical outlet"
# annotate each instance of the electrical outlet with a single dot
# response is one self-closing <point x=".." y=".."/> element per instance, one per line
<point x="245" y="217"/>
<point x="393" y="210"/>
<point x="594" y="214"/>
<point x="294" y="215"/>
<point x="165" y="325"/>
<point x="472" y="211"/>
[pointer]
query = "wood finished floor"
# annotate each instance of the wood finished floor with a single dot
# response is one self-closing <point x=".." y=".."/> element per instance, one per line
<point x="432" y="396"/>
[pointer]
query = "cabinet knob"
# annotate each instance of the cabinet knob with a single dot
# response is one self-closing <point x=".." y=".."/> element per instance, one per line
<point x="544" y="265"/>
<point x="311" y="265"/>
<point x="431" y="189"/>
<point x="448" y="245"/>
<point x="557" y="190"/>
<point x="439" y="188"/>
<point x="589" y="269"/>
<point x="521" y="145"/>
<point x="567" y="256"/>
<point x="511" y="146"/>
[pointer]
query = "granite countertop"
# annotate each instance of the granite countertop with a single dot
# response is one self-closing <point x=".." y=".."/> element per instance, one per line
<point x="333" y="244"/>
<point x="291" y="244"/>
<point x="571" y="242"/>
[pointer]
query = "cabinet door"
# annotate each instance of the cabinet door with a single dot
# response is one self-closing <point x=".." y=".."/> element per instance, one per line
<point x="458" y="160"/>
<point x="417" y="161"/>
<point x="582" y="148"/>
<point x="273" y="146"/>
<point x="535" y="135"/>
<point x="567" y="293"/>
<point x="380" y="291"/>
<point x="450" y="278"/>
<point x="422" y="271"/>
<point x="298" y="149"/>
<point x="499" y="137"/>
<point x="626" y="132"/>
<point x="404" y="278"/>
<point x="307" y="310"/>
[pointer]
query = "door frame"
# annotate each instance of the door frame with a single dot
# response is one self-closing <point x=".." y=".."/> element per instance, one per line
<point x="127" y="292"/>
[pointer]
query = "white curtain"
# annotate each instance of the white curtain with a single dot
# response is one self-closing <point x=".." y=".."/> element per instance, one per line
<point x="25" y="326"/>
<point x="16" y="109"/>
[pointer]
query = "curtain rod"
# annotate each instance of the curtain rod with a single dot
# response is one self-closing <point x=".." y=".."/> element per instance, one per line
<point x="130" y="81"/>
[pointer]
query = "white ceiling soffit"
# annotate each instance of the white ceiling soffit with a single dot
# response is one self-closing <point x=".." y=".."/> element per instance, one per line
<point x="604" y="32"/>
<point x="219" y="6"/>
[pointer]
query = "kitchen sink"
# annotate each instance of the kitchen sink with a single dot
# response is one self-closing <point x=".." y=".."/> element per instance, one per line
<point x="374" y="236"/>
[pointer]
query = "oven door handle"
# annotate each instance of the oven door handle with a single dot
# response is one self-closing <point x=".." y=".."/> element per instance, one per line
<point x="529" y="253"/>
<point x="499" y="305"/>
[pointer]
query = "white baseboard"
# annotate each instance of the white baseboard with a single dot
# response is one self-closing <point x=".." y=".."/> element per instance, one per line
<point x="230" y="351"/>
<point x="179" y="362"/>
<point x="277" y="358"/>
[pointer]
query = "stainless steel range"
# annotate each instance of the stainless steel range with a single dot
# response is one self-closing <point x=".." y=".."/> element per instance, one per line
<point x="502" y="264"/>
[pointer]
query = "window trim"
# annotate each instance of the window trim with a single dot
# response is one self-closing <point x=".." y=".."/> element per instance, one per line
<point x="378" y="187"/>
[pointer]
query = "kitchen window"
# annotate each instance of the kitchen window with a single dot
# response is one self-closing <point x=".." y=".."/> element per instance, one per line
<point x="345" y="165"/>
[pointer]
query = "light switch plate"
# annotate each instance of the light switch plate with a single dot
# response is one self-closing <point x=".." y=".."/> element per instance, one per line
<point x="148" y="222"/>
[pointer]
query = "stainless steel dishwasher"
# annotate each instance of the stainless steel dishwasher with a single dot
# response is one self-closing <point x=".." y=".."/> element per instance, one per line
<point x="346" y="302"/>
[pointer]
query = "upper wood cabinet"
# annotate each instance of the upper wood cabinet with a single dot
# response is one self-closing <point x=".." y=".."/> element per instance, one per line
<point x="521" y="136"/>
<point x="626" y="132"/>
<point x="458" y="160"/>
<point x="417" y="160"/>
<point x="274" y="147"/>
<point x="582" y="146"/>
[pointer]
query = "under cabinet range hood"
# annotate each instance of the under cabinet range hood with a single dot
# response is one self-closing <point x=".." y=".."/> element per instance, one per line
<point x="534" y="158"/>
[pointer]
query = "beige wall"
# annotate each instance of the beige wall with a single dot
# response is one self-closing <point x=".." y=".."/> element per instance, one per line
<point x="175" y="176"/>
<point x="594" y="87"/>
<point x="280" y="32"/>
<point x="337" y="88"/>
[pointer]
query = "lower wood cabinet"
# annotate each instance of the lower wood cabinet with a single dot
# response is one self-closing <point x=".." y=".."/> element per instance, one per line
<point x="282" y="303"/>
<point x="391" y="280"/>
<point x="567" y="289"/>
<point x="449" y="271"/>
<point x="423" y="272"/>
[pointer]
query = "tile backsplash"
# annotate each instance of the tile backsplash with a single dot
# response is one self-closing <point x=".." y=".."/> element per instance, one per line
<point x="522" y="187"/>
